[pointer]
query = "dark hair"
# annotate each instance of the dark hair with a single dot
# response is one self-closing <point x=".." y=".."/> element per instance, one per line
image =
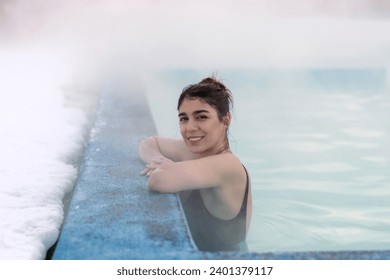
<point x="213" y="92"/>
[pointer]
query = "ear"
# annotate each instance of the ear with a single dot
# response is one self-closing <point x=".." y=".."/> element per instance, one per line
<point x="226" y="120"/>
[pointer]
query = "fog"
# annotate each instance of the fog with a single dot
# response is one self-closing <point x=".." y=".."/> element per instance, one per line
<point x="97" y="35"/>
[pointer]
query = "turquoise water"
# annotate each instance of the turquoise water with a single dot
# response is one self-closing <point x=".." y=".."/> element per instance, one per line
<point x="316" y="143"/>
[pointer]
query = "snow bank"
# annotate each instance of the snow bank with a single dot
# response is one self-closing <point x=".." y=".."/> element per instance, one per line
<point x="40" y="138"/>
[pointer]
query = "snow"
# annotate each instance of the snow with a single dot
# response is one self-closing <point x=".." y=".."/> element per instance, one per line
<point x="39" y="139"/>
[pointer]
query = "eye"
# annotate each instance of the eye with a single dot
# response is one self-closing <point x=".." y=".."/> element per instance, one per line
<point x="202" y="117"/>
<point x="183" y="119"/>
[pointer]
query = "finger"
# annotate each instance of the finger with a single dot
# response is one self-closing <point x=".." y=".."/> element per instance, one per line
<point x="145" y="170"/>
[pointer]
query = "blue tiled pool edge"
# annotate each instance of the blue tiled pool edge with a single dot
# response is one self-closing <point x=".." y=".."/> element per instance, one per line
<point x="112" y="215"/>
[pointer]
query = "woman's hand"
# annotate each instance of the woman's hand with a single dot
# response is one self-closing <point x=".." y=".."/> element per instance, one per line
<point x="155" y="163"/>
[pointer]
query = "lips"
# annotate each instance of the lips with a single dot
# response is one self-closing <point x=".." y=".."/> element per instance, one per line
<point x="194" y="139"/>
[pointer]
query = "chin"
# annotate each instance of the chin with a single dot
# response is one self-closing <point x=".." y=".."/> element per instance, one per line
<point x="196" y="150"/>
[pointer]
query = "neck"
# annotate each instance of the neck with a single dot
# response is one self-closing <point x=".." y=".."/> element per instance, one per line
<point x="225" y="149"/>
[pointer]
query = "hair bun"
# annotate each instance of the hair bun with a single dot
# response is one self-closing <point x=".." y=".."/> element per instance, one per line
<point x="212" y="81"/>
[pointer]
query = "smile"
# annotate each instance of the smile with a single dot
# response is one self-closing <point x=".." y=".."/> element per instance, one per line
<point x="195" y="139"/>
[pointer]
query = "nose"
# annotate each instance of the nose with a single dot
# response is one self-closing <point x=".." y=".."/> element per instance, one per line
<point x="191" y="125"/>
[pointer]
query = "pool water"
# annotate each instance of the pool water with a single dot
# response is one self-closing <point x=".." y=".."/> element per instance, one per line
<point x="316" y="143"/>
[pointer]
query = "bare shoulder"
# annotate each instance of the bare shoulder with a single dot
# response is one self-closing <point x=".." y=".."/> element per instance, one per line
<point x="228" y="160"/>
<point x="227" y="165"/>
<point x="234" y="167"/>
<point x="232" y="174"/>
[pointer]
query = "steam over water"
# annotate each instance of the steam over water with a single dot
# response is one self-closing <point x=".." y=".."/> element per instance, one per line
<point x="316" y="152"/>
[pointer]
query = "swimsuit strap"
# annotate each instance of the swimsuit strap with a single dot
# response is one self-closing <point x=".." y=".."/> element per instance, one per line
<point x="245" y="200"/>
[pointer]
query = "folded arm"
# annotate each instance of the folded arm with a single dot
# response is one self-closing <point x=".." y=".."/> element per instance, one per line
<point x="171" y="167"/>
<point x="210" y="172"/>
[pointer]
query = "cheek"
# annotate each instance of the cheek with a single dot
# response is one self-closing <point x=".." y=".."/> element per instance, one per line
<point x="181" y="127"/>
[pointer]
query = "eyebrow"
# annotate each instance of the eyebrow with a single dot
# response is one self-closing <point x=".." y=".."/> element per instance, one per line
<point x="194" y="113"/>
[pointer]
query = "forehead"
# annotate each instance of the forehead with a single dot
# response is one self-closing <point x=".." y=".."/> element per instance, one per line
<point x="190" y="105"/>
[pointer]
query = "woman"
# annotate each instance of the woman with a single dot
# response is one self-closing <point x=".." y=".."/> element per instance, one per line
<point x="213" y="184"/>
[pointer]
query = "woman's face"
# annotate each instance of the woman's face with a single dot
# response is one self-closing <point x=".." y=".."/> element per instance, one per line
<point x="200" y="127"/>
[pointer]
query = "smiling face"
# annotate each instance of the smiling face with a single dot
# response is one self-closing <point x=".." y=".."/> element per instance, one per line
<point x="202" y="131"/>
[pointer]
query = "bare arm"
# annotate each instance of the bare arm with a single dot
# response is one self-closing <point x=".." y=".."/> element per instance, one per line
<point x="159" y="147"/>
<point x="148" y="150"/>
<point x="210" y="172"/>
